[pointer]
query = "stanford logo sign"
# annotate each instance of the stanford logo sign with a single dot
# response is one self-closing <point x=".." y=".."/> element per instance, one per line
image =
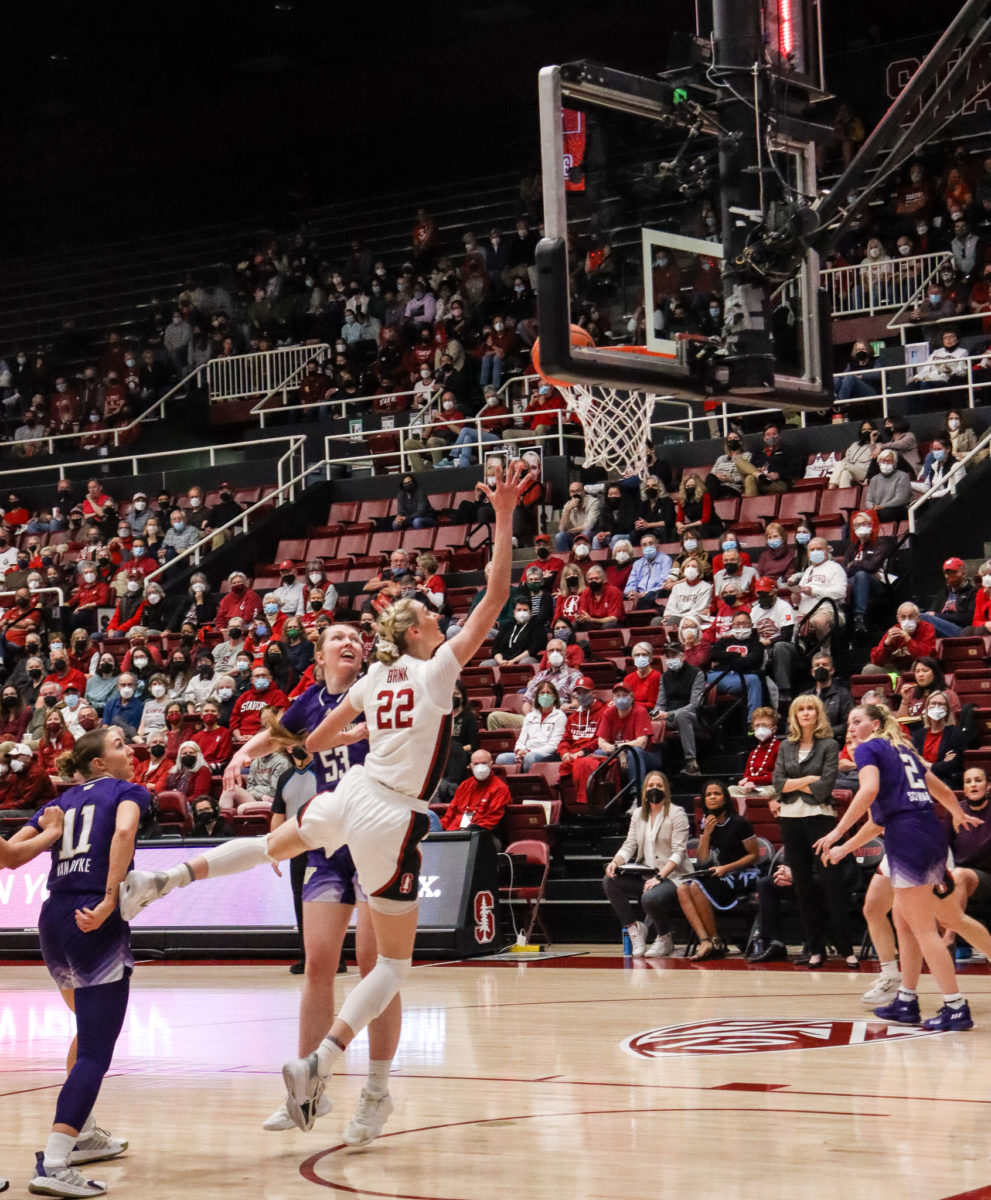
<point x="758" y="1037"/>
<point x="485" y="926"/>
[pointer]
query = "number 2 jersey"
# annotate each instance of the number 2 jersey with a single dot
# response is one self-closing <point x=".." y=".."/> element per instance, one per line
<point x="304" y="715"/>
<point x="81" y="857"/>
<point x="902" y="786"/>
<point x="408" y="709"/>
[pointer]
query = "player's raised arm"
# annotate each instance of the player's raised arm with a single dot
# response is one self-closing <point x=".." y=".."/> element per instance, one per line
<point x="28" y="842"/>
<point x="504" y="498"/>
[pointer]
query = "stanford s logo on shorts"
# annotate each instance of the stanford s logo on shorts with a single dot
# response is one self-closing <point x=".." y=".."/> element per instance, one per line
<point x="407" y="884"/>
<point x="485" y="926"/>
<point x="760" y="1036"/>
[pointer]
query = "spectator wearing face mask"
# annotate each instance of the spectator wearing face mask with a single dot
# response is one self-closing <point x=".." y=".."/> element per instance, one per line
<point x="774" y="467"/>
<point x="214" y="740"/>
<point x="480" y="800"/>
<point x="245" y="719"/>
<point x="141" y="657"/>
<point x="620" y="565"/>
<point x="540" y="732"/>
<point x="691" y="547"/>
<point x="951" y="610"/>
<point x="736" y="661"/>
<point x="890" y="490"/>
<point x="648" y="574"/>
<point x="413" y="510"/>
<point x="16" y="623"/>
<point x="130" y="608"/>
<point x="124" y="709"/>
<point x="190" y="776"/>
<point x="726" y="480"/>
<point x="568" y="595"/>
<point x="225" y="690"/>
<point x="624" y="723"/>
<point x="26" y="787"/>
<point x="822" y="581"/>
<point x="200" y="684"/>
<point x="617" y="517"/>
<point x="519" y="640"/>
<point x="863" y="561"/>
<point x="729" y="542"/>
<point x="600" y="605"/>
<point x="61" y="671"/>
<point x="579" y="514"/>
<point x="90" y="594"/>
<point x="316" y="577"/>
<point x="856" y="461"/>
<point x="180" y="535"/>
<point x="733" y="570"/>
<point x="836" y="700"/>
<point x="982" y="602"/>
<point x="55" y="739"/>
<point x="863" y="376"/>
<point x="155" y="704"/>
<point x="644" y="680"/>
<point x="226" y="509"/>
<point x="240" y="601"/>
<point x="940" y="741"/>
<point x="102" y="685"/>
<point x="225" y="652"/>
<point x="908" y="639"/>
<point x="581" y="730"/>
<point x="289" y="593"/>
<point x="208" y="821"/>
<point x="758" y="772"/>
<point x="15" y="714"/>
<point x="549" y="565"/>
<point x="691" y="596"/>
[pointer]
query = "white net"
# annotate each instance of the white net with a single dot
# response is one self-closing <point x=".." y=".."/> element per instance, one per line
<point x="616" y="423"/>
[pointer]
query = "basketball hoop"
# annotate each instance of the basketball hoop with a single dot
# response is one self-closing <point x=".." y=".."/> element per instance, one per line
<point x="615" y="420"/>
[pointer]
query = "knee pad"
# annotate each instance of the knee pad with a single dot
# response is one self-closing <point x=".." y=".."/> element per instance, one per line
<point x="374" y="993"/>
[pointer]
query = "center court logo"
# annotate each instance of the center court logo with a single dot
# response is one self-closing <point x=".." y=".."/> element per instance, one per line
<point x="761" y="1036"/>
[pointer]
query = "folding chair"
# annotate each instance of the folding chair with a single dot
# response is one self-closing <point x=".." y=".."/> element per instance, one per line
<point x="536" y="857"/>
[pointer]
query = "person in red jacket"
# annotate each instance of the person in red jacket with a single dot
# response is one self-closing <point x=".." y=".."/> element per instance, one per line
<point x="64" y="675"/>
<point x="240" y="601"/>
<point x="908" y="639"/>
<point x="190" y="776"/>
<point x="581" y="731"/>
<point x="26" y="787"/>
<point x="153" y="771"/>
<point x="246" y="716"/>
<point x="624" y="723"/>
<point x="759" y="769"/>
<point x="480" y="800"/>
<point x="644" y="681"/>
<point x="600" y="605"/>
<point x="54" y="741"/>
<point x="213" y="739"/>
<point x="547" y="562"/>
<point x="89" y="594"/>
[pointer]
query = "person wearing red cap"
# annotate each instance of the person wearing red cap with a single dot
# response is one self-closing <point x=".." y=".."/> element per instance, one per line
<point x="624" y="723"/>
<point x="952" y="609"/>
<point x="775" y="619"/>
<point x="289" y="594"/>
<point x="581" y="731"/>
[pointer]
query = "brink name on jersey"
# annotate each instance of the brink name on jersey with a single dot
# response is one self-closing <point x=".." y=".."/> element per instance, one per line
<point x="397" y="675"/>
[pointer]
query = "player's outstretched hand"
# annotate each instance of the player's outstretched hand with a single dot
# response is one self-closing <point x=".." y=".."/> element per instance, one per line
<point x="357" y="733"/>
<point x="507" y="490"/>
<point x="962" y="820"/>
<point x="232" y="772"/>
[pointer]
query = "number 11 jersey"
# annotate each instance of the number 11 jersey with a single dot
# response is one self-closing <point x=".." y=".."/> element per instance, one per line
<point x="408" y="709"/>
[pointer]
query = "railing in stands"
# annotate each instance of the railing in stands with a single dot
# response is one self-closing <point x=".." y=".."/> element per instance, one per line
<point x="291" y="472"/>
<point x="342" y="408"/>
<point x="262" y="373"/>
<point x="885" y="393"/>
<point x="870" y="288"/>
<point x="154" y="412"/>
<point x="949" y="488"/>
<point x="54" y="591"/>
<point x="213" y="453"/>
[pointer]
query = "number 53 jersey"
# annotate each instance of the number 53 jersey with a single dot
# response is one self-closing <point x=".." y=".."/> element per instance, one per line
<point x="408" y="709"/>
<point x="304" y="715"/>
<point x="81" y="857"/>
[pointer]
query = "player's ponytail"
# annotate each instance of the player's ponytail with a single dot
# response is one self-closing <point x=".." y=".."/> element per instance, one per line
<point x="392" y="626"/>
<point x="277" y="731"/>
<point x="79" y="758"/>
<point x="891" y="729"/>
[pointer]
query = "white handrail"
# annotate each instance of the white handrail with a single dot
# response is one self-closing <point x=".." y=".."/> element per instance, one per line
<point x="240" y="376"/>
<point x="115" y="433"/>
<point x="38" y="592"/>
<point x="949" y="488"/>
<point x="330" y="402"/>
<point x="870" y="288"/>
<point x="90" y="464"/>
<point x="911" y="369"/>
<point x="285" y="486"/>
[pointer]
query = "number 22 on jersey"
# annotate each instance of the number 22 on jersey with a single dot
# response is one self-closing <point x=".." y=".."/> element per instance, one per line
<point x="394" y="710"/>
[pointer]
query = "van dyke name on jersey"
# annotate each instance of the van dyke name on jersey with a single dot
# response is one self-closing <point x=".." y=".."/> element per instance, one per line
<point x="397" y="675"/>
<point x="73" y="866"/>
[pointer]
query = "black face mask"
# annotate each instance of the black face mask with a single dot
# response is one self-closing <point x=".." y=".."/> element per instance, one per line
<point x="298" y="754"/>
<point x="595" y="585"/>
<point x="655" y="796"/>
<point x="50" y="701"/>
<point x="765" y="601"/>
<point x="106" y="668"/>
<point x="187" y="639"/>
<point x="188" y="761"/>
<point x="156" y="751"/>
<point x="865" y="437"/>
<point x="34" y="674"/>
<point x="820" y="675"/>
<point x="543" y="552"/>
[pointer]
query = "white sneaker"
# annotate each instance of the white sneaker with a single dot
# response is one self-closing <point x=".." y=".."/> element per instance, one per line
<point x="638" y="939"/>
<point x="304" y="1087"/>
<point x="369" y="1118"/>
<point x="64" y="1182"/>
<point x="96" y="1146"/>
<point x="661" y="947"/>
<point x="883" y="992"/>
<point x="138" y="890"/>
<point x="280" y="1119"/>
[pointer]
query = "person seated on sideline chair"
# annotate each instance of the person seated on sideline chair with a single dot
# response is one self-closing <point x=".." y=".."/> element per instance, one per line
<point x="643" y="874"/>
<point x="480" y="800"/>
<point x="727" y="853"/>
<point x="758" y="773"/>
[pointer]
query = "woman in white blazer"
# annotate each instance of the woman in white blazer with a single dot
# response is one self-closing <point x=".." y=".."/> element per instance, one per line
<point x="656" y="850"/>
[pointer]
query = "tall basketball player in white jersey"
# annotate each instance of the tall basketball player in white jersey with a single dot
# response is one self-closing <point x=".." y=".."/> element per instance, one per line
<point x="379" y="808"/>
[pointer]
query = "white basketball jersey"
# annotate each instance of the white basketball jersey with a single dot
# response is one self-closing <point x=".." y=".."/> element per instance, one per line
<point x="408" y="710"/>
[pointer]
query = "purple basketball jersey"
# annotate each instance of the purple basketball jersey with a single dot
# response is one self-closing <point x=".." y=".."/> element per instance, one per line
<point x="304" y="715"/>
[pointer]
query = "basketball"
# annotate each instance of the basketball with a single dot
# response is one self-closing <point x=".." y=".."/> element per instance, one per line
<point x="579" y="337"/>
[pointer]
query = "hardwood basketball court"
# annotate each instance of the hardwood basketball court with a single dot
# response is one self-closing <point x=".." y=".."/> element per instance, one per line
<point x="513" y="1080"/>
